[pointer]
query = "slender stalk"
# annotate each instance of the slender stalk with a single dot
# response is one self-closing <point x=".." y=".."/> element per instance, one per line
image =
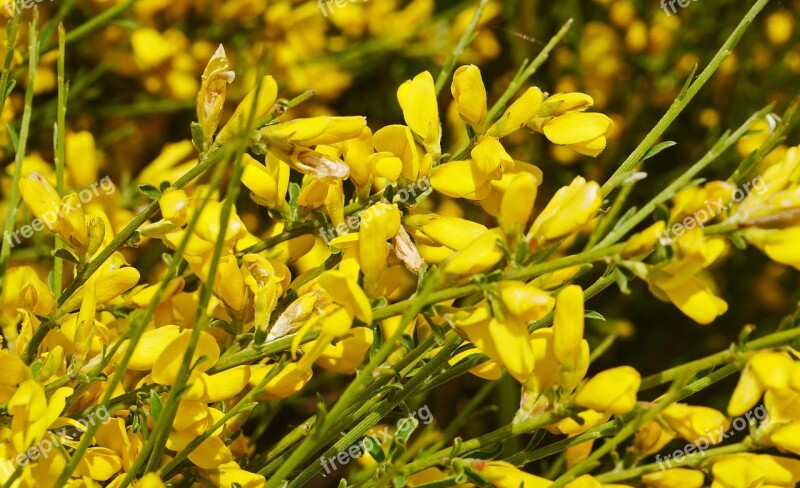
<point x="690" y="460"/>
<point x="622" y="172"/>
<point x="724" y="142"/>
<point x="466" y="38"/>
<point x="14" y="194"/>
<point x="60" y="151"/>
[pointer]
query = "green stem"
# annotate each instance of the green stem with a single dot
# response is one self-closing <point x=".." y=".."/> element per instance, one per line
<point x="683" y="100"/>
<point x="723" y="143"/>
<point x="60" y="153"/>
<point x="690" y="460"/>
<point x="466" y="38"/>
<point x="14" y="194"/>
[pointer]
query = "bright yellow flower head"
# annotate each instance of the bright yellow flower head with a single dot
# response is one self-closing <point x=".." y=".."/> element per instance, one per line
<point x="570" y="209"/>
<point x="417" y="98"/>
<point x="613" y="390"/>
<point x="470" y="95"/>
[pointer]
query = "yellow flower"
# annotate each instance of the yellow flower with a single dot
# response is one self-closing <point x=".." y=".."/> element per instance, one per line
<point x="211" y="97"/>
<point x="779" y="244"/>
<point x="42" y="200"/>
<point x="651" y="438"/>
<point x="517" y="203"/>
<point x="267" y="94"/>
<point x="735" y="472"/>
<point x="696" y="423"/>
<point x="675" y="478"/>
<point x="570" y="209"/>
<point x="480" y="255"/>
<point x="285" y="383"/>
<point x="524" y="301"/>
<point x="470" y="95"/>
<point x="568" y="326"/>
<point x="505" y="475"/>
<point x="563" y="122"/>
<point x="490" y="159"/>
<point x="613" y="390"/>
<point x="166" y="366"/>
<point x="460" y="179"/>
<point x="345" y="355"/>
<point x="379" y="223"/>
<point x="643" y="241"/>
<point x="175" y="207"/>
<point x="417" y="99"/>
<point x="519" y="113"/>
<point x="345" y="291"/>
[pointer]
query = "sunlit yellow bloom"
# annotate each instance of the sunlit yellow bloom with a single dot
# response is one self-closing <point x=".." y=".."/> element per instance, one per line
<point x="568" y="326"/>
<point x="695" y="423"/>
<point x="42" y="200"/>
<point x="470" y="95"/>
<point x="524" y="301"/>
<point x="651" y="438"/>
<point x="417" y="99"/>
<point x="345" y="355"/>
<point x="505" y="475"/>
<point x="211" y="97"/>
<point x="490" y="158"/>
<point x="480" y="255"/>
<point x="288" y="381"/>
<point x="675" y="478"/>
<point x="570" y="209"/>
<point x="166" y="367"/>
<point x="643" y="241"/>
<point x="563" y="121"/>
<point x="379" y="223"/>
<point x="460" y="179"/>
<point x="267" y="94"/>
<point x="519" y="113"/>
<point x="345" y="291"/>
<point x="517" y="203"/>
<point x="174" y="206"/>
<point x="613" y="390"/>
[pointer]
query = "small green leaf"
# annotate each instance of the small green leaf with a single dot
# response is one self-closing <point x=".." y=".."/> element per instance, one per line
<point x="13" y="135"/>
<point x="294" y="196"/>
<point x="155" y="406"/>
<point x="197" y="136"/>
<point x="591" y="314"/>
<point x="150" y="191"/>
<point x="164" y="185"/>
<point x="657" y="149"/>
<point x="371" y="445"/>
<point x="622" y="281"/>
<point x="688" y="82"/>
<point x="65" y="255"/>
<point x="11" y="85"/>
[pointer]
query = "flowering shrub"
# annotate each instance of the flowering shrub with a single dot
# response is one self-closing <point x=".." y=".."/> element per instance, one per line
<point x="288" y="287"/>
